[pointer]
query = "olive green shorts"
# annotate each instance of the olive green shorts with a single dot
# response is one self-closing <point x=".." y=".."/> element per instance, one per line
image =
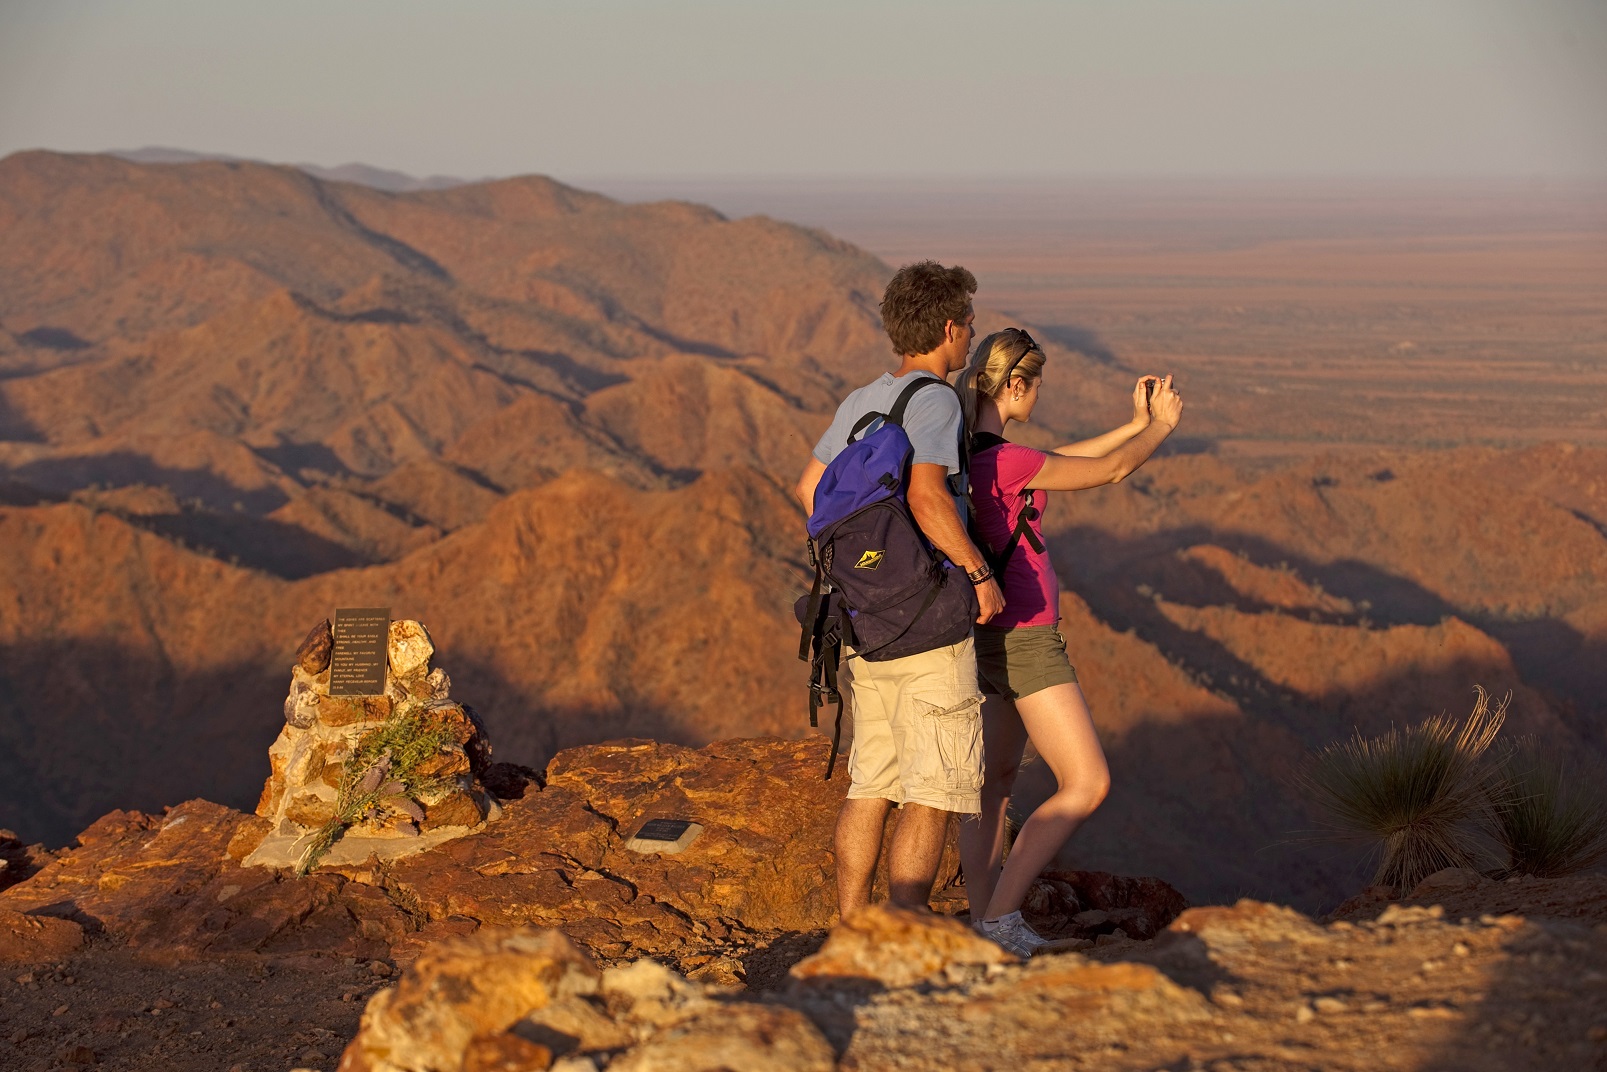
<point x="1017" y="662"/>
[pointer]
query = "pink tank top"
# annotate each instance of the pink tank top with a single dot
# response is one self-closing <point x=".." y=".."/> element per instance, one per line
<point x="999" y="476"/>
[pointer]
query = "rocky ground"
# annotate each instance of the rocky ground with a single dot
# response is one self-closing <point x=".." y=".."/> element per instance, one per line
<point x="543" y="939"/>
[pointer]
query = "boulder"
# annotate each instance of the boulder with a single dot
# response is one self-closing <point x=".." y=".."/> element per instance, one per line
<point x="897" y="947"/>
<point x="410" y="649"/>
<point x="314" y="654"/>
<point x="35" y="939"/>
<point x="719" y="1037"/>
<point x="515" y="999"/>
<point x="466" y="992"/>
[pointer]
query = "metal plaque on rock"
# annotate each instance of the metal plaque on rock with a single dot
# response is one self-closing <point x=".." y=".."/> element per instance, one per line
<point x="664" y="835"/>
<point x="357" y="665"/>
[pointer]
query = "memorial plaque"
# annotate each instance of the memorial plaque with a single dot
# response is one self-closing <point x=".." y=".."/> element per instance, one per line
<point x="664" y="835"/>
<point x="357" y="665"/>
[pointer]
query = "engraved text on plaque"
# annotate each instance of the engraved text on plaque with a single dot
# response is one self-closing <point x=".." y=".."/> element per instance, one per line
<point x="357" y="665"/>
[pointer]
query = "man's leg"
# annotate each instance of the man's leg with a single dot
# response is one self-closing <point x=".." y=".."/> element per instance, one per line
<point x="859" y="845"/>
<point x="914" y="855"/>
<point x="872" y="790"/>
<point x="937" y="723"/>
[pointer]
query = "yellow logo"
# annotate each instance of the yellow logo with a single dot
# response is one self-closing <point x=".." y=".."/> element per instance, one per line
<point x="870" y="560"/>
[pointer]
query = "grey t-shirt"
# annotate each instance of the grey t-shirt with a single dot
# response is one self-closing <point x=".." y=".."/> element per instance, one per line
<point x="932" y="422"/>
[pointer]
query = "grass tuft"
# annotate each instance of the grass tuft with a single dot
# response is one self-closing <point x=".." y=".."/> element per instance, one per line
<point x="1549" y="810"/>
<point x="1420" y="795"/>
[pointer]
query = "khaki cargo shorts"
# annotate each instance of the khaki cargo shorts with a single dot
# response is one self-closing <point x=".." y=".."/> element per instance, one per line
<point x="917" y="729"/>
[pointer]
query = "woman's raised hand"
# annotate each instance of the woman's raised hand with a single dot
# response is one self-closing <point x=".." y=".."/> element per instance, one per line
<point x="1165" y="403"/>
<point x="1141" y="398"/>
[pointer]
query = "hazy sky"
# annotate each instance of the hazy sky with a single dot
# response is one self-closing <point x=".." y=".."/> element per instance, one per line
<point x="692" y="87"/>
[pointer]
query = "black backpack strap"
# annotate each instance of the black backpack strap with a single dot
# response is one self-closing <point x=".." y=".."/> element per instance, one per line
<point x="896" y="414"/>
<point x="997" y="560"/>
<point x="1022" y="531"/>
<point x="812" y="615"/>
<point x="981" y="441"/>
<point x="824" y="689"/>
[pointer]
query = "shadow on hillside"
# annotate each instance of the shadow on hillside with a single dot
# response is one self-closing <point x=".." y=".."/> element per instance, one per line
<point x="13" y="493"/>
<point x="1084" y="341"/>
<point x="124" y="468"/>
<point x="292" y="458"/>
<point x="1549" y="654"/>
<point x="284" y="550"/>
<point x="14" y="427"/>
<point x="89" y="727"/>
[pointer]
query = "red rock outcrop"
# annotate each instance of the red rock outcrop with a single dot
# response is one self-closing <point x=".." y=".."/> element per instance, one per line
<point x="173" y="884"/>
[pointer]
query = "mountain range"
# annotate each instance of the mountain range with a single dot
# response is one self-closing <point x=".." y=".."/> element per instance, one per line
<point x="561" y="431"/>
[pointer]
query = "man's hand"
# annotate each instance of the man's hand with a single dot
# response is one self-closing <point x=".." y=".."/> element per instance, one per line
<point x="990" y="599"/>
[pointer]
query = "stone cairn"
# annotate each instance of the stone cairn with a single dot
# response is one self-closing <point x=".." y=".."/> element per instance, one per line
<point x="323" y="734"/>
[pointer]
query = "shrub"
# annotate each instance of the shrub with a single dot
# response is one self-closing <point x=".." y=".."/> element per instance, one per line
<point x="381" y="777"/>
<point x="1419" y="795"/>
<point x="1548" y="810"/>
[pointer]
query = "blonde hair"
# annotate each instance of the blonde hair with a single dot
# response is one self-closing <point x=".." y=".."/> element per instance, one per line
<point x="997" y="359"/>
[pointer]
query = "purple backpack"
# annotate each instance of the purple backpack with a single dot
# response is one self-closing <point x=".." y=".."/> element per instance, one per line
<point x="879" y="585"/>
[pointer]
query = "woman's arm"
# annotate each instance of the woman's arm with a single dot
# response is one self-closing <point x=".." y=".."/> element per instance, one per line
<point x="1101" y="445"/>
<point x="1070" y="473"/>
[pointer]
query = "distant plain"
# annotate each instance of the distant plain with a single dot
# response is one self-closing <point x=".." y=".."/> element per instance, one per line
<point x="1301" y="315"/>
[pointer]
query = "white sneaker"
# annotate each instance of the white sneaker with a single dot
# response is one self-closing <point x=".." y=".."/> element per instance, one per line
<point x="1011" y="932"/>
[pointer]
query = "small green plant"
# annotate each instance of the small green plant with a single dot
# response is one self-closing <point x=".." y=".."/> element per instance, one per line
<point x="1548" y="810"/>
<point x="1420" y="795"/>
<point x="381" y="777"/>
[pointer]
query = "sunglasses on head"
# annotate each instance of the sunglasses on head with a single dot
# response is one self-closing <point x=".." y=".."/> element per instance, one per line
<point x="1031" y="346"/>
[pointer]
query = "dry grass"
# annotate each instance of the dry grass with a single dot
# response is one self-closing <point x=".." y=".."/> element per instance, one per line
<point x="1419" y="795"/>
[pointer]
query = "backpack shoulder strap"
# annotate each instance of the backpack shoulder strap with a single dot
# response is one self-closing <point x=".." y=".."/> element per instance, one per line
<point x="981" y="441"/>
<point x="896" y="414"/>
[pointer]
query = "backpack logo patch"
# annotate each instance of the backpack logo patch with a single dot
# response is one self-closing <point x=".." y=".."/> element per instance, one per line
<point x="870" y="560"/>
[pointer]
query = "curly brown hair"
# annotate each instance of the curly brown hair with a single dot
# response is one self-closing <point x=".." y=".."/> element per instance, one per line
<point x="921" y="300"/>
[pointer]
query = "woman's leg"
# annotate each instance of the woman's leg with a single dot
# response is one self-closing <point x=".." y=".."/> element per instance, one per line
<point x="1004" y="738"/>
<point x="1063" y="732"/>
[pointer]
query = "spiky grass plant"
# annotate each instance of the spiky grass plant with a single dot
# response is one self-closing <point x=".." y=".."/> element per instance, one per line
<point x="1549" y="809"/>
<point x="381" y="777"/>
<point x="1420" y="795"/>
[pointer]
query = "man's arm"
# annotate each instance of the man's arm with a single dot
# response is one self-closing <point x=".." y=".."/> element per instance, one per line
<point x="807" y="482"/>
<point x="940" y="522"/>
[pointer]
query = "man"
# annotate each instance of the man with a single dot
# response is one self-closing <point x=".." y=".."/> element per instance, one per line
<point x="917" y="720"/>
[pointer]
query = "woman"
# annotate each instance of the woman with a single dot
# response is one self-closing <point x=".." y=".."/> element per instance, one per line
<point x="1028" y="684"/>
